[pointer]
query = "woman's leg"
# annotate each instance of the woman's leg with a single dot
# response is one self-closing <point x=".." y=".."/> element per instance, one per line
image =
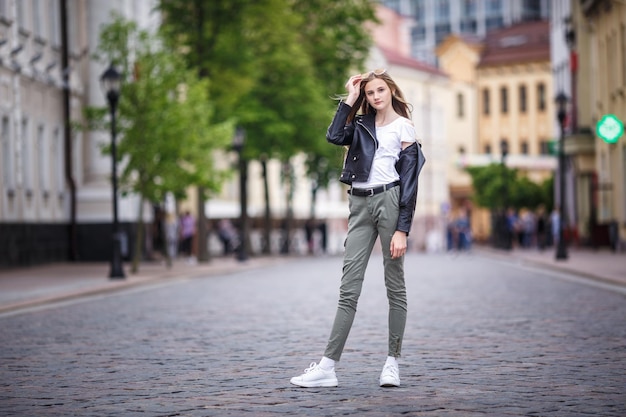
<point x="358" y="247"/>
<point x="387" y="216"/>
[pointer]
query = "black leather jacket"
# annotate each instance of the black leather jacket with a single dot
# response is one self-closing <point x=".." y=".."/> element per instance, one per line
<point x="360" y="137"/>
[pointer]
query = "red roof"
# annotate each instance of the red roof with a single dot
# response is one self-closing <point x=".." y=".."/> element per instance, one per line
<point x="399" y="59"/>
<point x="523" y="42"/>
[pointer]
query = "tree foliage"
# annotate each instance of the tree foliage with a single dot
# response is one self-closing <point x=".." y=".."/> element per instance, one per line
<point x="497" y="186"/>
<point x="273" y="64"/>
<point x="166" y="135"/>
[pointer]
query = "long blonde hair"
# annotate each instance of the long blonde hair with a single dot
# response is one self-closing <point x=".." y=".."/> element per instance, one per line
<point x="397" y="98"/>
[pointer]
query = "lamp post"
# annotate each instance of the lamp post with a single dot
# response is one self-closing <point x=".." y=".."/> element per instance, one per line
<point x="561" y="102"/>
<point x="507" y="239"/>
<point x="111" y="82"/>
<point x="238" y="143"/>
<point x="570" y="40"/>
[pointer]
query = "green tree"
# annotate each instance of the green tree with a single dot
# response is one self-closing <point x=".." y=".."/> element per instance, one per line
<point x="167" y="138"/>
<point x="497" y="187"/>
<point x="273" y="64"/>
<point x="338" y="42"/>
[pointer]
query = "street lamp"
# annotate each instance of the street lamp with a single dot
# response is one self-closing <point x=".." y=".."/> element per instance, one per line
<point x="561" y="102"/>
<point x="238" y="143"/>
<point x="110" y="82"/>
<point x="507" y="238"/>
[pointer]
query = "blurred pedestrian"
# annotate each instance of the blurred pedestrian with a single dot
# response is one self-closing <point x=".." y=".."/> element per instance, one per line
<point x="171" y="233"/>
<point x="382" y="165"/>
<point x="309" y="227"/>
<point x="555" y="224"/>
<point x="528" y="226"/>
<point x="187" y="232"/>
<point x="541" y="228"/>
<point x="228" y="235"/>
<point x="463" y="231"/>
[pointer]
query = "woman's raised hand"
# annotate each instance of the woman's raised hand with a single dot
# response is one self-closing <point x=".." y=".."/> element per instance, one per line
<point x="353" y="86"/>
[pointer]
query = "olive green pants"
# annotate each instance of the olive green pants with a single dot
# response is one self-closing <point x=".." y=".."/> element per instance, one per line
<point x="370" y="217"/>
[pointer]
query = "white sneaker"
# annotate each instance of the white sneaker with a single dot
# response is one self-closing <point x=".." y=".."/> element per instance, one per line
<point x="390" y="376"/>
<point x="314" y="376"/>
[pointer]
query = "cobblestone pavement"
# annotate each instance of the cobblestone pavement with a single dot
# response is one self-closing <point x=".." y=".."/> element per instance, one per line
<point x="483" y="338"/>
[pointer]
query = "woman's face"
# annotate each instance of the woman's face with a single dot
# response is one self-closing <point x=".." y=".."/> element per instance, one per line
<point x="378" y="94"/>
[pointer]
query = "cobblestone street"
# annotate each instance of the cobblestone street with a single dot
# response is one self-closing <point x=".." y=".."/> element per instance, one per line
<point x="484" y="338"/>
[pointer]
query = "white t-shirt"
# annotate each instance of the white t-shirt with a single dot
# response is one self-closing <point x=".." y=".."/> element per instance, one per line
<point x="390" y="138"/>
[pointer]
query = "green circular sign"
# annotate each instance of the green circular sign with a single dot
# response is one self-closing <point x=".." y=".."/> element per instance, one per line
<point x="610" y="128"/>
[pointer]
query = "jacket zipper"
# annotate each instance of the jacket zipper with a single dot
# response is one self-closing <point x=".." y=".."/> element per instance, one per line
<point x="370" y="132"/>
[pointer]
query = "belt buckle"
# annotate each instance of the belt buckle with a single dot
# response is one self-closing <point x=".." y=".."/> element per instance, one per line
<point x="370" y="192"/>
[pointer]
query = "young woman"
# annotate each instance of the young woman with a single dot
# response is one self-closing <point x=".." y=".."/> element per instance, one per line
<point x="382" y="165"/>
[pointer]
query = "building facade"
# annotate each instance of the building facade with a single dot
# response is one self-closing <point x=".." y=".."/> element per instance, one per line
<point x="55" y="190"/>
<point x="434" y="20"/>
<point x="597" y="50"/>
<point x="506" y="79"/>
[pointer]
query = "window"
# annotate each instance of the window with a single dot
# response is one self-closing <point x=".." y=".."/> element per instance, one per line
<point x="623" y="49"/>
<point x="493" y="14"/>
<point x="21" y="14"/>
<point x="462" y="150"/>
<point x="442" y="11"/>
<point x="524" y="148"/>
<point x="37" y="18"/>
<point x="42" y="162"/>
<point x="488" y="149"/>
<point x="485" y="101"/>
<point x="418" y="33"/>
<point x="57" y="151"/>
<point x="442" y="20"/>
<point x="531" y="10"/>
<point x="4" y="10"/>
<point x="442" y="30"/>
<point x="541" y="97"/>
<point x="544" y="147"/>
<point x="469" y="8"/>
<point x="7" y="160"/>
<point x="504" y="147"/>
<point x="27" y="165"/>
<point x="417" y="11"/>
<point x="460" y="108"/>
<point x="468" y="16"/>
<point x="54" y="22"/>
<point x="504" y="100"/>
<point x="522" y="99"/>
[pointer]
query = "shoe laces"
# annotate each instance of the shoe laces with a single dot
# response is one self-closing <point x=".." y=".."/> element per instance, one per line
<point x="311" y="367"/>
<point x="390" y="369"/>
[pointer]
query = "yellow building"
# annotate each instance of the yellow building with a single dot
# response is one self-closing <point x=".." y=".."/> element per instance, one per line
<point x="507" y="79"/>
<point x="600" y="43"/>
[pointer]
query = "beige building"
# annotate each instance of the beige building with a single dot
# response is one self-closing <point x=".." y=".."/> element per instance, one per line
<point x="55" y="189"/>
<point x="598" y="45"/>
<point x="427" y="89"/>
<point x="504" y="85"/>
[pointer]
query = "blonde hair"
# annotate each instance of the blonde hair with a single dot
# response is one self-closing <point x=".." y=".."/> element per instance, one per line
<point x="397" y="98"/>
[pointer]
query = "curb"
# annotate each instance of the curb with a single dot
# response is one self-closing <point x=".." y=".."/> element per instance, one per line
<point x="511" y="256"/>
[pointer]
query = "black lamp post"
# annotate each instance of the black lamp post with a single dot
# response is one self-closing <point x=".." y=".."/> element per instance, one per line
<point x="111" y="81"/>
<point x="238" y="143"/>
<point x="504" y="149"/>
<point x="507" y="238"/>
<point x="561" y="102"/>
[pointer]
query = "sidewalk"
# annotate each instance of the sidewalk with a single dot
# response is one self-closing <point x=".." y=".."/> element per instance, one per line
<point x="601" y="264"/>
<point x="32" y="286"/>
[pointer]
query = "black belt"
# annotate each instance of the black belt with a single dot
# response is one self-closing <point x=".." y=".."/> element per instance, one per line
<point x="368" y="192"/>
